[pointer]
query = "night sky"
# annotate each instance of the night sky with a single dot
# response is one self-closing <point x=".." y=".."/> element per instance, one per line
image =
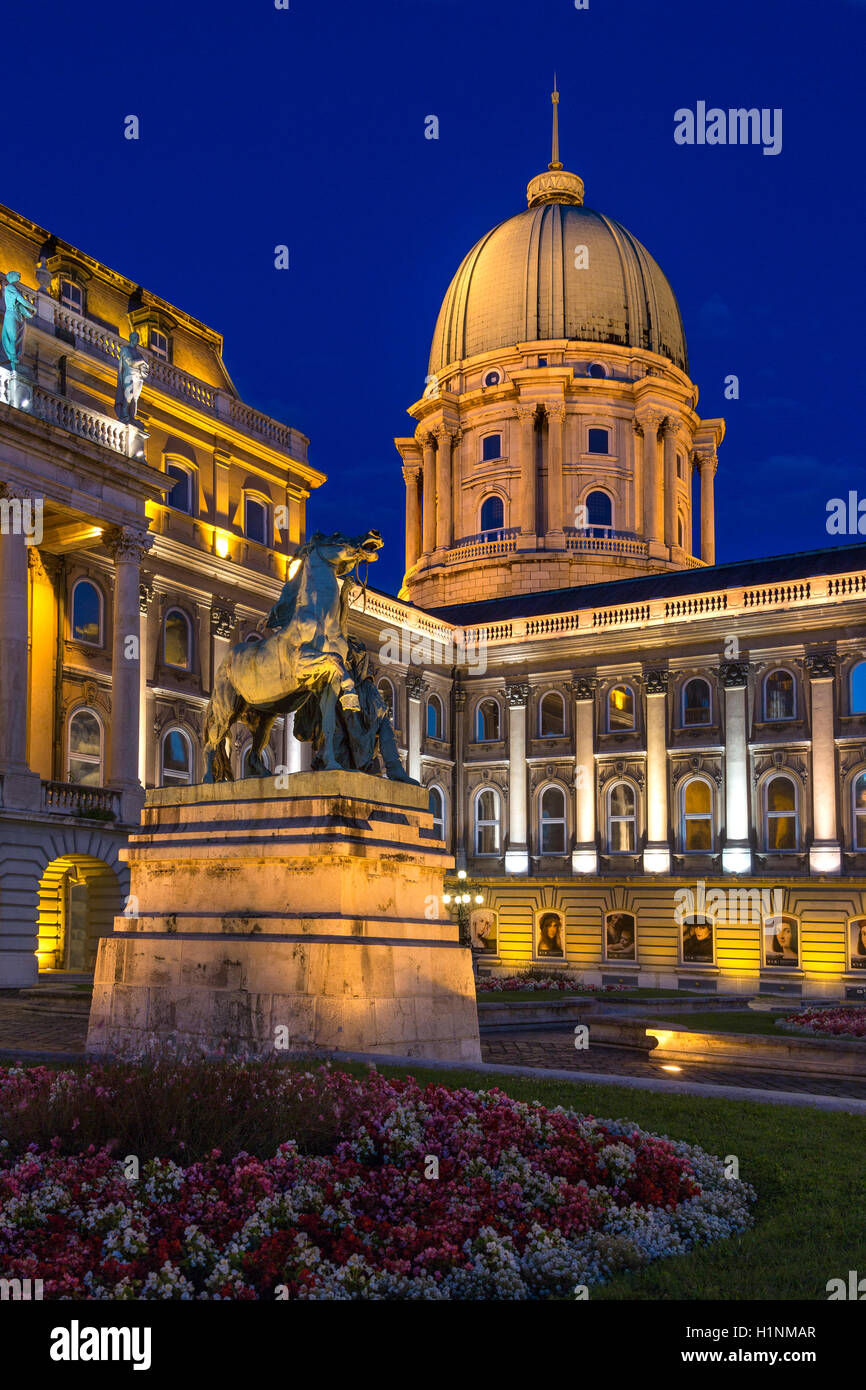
<point x="306" y="127"/>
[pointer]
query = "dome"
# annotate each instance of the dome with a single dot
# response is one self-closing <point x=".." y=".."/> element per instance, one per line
<point x="521" y="284"/>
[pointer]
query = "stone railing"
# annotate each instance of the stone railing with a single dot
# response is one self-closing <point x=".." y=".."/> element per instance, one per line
<point x="70" y="799"/>
<point x="70" y="415"/>
<point x="94" y="338"/>
<point x="479" y="547"/>
<point x="611" y="544"/>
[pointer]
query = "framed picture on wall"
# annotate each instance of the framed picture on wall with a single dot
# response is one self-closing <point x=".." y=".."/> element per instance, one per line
<point x="483" y="930"/>
<point x="698" y="941"/>
<point x="781" y="942"/>
<point x="549" y="935"/>
<point x="620" y="936"/>
<point x="857" y="943"/>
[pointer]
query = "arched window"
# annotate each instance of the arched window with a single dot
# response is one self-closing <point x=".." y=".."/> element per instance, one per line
<point x="680" y="532"/>
<point x="552" y="821"/>
<point x="181" y="494"/>
<point x="487" y="722"/>
<point x="599" y="514"/>
<point x="177" y="639"/>
<point x="598" y="370"/>
<point x="621" y="819"/>
<point x="781" y="828"/>
<point x="175" y="759"/>
<point x="598" y="441"/>
<point x="492" y="515"/>
<point x="84" y="764"/>
<point x="858" y="810"/>
<point x="487" y="820"/>
<point x="697" y="816"/>
<point x="696" y="702"/>
<point x="256" y="520"/>
<point x="620" y="708"/>
<point x="551" y="716"/>
<point x="87" y="613"/>
<point x="780" y="700"/>
<point x="265" y="756"/>
<point x="386" y="690"/>
<point x="858" y="688"/>
<point x="434" y="717"/>
<point x="491" y="447"/>
<point x="437" y="810"/>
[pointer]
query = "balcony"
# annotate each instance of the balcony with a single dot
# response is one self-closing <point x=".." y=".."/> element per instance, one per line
<point x="486" y="543"/>
<point x="603" y="540"/>
<point x="89" y="424"/>
<point x="88" y="803"/>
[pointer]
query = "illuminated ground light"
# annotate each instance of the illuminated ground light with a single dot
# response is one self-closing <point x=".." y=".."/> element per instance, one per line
<point x="669" y="1067"/>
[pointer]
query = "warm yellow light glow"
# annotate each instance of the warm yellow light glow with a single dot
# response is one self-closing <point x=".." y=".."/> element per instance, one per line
<point x="479" y="898"/>
<point x="671" y="1068"/>
<point x="221" y="544"/>
<point x="446" y="897"/>
<point x="461" y="873"/>
<point x="294" y="566"/>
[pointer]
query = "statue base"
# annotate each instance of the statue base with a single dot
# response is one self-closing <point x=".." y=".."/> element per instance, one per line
<point x="266" y="920"/>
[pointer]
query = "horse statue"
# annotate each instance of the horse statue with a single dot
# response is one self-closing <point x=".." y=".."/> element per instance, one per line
<point x="303" y="654"/>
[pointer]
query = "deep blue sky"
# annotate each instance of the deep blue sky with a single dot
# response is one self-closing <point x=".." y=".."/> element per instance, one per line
<point x="306" y="127"/>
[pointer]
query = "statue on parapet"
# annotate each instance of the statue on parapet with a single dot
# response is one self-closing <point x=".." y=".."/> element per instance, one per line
<point x="132" y="368"/>
<point x="17" y="309"/>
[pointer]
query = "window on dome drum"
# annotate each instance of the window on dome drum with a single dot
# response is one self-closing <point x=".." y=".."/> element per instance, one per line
<point x="542" y="361"/>
<point x="491" y="447"/>
<point x="437" y="810"/>
<point x="84" y="764"/>
<point x="697" y="816"/>
<point x="492" y="379"/>
<point x="621" y="819"/>
<point x="72" y="296"/>
<point x="551" y="716"/>
<point x="781" y="829"/>
<point x="597" y="370"/>
<point x="177" y="639"/>
<point x="265" y="757"/>
<point x="552" y="821"/>
<point x="434" y="717"/>
<point x="255" y="520"/>
<point x="598" y="441"/>
<point x="696" y="702"/>
<point x="620" y="708"/>
<point x="492" y="515"/>
<point x="487" y="722"/>
<point x="386" y="690"/>
<point x="158" y="344"/>
<point x="680" y="532"/>
<point x="858" y="688"/>
<point x="86" y="613"/>
<point x="779" y="695"/>
<point x="858" y="794"/>
<point x="176" y="768"/>
<point x="599" y="514"/>
<point x="180" y="496"/>
<point x="487" y="821"/>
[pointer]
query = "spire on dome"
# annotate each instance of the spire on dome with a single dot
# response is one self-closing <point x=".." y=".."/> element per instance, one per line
<point x="557" y="185"/>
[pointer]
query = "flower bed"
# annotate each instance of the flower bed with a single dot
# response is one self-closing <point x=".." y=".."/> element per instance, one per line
<point x="528" y="1201"/>
<point x="506" y="983"/>
<point x="827" y="1023"/>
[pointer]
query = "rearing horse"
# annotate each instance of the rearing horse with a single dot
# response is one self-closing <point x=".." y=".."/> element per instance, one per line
<point x="304" y="654"/>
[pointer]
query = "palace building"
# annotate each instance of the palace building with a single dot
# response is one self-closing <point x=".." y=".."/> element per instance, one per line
<point x="649" y="766"/>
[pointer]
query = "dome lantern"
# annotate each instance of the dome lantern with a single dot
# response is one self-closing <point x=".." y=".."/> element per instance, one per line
<point x="555" y="185"/>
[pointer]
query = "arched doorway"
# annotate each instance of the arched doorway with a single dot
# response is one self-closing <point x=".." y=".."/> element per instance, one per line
<point x="79" y="897"/>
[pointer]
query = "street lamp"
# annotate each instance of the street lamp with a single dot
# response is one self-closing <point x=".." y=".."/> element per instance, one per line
<point x="460" y="893"/>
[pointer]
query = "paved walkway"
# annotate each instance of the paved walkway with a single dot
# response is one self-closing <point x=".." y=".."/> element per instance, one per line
<point x="29" y="1026"/>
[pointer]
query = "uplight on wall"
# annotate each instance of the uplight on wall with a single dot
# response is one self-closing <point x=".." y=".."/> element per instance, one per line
<point x="221" y="544"/>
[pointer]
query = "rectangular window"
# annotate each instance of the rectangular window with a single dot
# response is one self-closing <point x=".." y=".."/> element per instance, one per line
<point x="72" y="296"/>
<point x="491" y="447"/>
<point x="158" y="344"/>
<point x="598" y="442"/>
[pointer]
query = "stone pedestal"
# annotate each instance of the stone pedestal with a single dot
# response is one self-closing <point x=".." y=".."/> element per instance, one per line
<point x="295" y="912"/>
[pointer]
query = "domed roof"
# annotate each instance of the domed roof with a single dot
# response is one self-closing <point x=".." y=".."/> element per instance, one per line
<point x="521" y="283"/>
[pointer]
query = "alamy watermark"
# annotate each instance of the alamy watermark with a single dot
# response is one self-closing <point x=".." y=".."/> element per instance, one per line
<point x="410" y="648"/>
<point x="736" y="126"/>
<point x="22" y="516"/>
<point x="737" y="906"/>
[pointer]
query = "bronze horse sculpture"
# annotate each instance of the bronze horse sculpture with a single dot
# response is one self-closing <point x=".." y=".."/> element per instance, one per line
<point x="303" y="655"/>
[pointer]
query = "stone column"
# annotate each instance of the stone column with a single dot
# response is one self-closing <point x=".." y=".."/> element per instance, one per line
<point x="555" y="430"/>
<point x="45" y="570"/>
<point x="825" y="853"/>
<point x="671" y="432"/>
<point x="707" y="462"/>
<point x="145" y="597"/>
<point x="637" y="522"/>
<point x="657" y="853"/>
<point x="429" y="495"/>
<point x="737" y="850"/>
<point x="517" y="850"/>
<point x="444" y="529"/>
<point x="127" y="545"/>
<point x="459" y="808"/>
<point x="415" y="687"/>
<point x="526" y="512"/>
<point x="411" y="477"/>
<point x="584" y="858"/>
<point x="649" y="421"/>
<point x="21" y="788"/>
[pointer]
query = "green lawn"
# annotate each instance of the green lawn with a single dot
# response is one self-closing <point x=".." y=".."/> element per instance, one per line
<point x="748" y="1021"/>
<point x="806" y="1165"/>
<point x="541" y="996"/>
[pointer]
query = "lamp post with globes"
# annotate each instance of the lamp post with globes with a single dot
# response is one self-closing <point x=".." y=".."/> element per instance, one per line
<point x="459" y="896"/>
